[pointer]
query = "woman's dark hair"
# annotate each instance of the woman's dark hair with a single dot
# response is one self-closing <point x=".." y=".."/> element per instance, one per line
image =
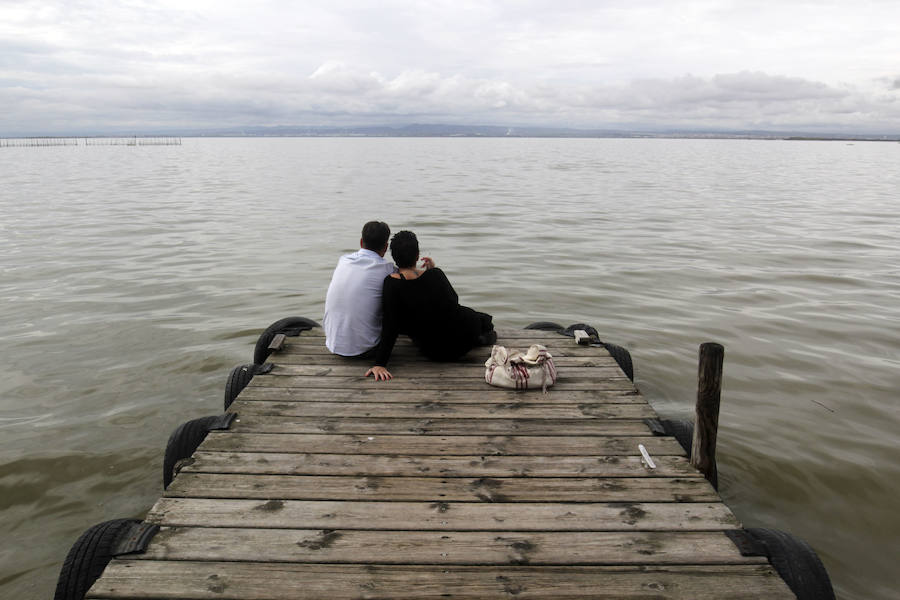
<point x="405" y="249"/>
<point x="375" y="235"/>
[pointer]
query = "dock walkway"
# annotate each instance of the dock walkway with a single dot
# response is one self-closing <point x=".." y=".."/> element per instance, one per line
<point x="436" y="485"/>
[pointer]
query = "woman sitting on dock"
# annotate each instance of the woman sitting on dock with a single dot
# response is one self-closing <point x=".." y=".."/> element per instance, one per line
<point x="422" y="304"/>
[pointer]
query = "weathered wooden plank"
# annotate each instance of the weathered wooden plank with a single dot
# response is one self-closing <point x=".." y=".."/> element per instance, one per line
<point x="442" y="370"/>
<point x="448" y="547"/>
<point x="442" y="410"/>
<point x="412" y="358"/>
<point x="381" y="393"/>
<point x="450" y="489"/>
<point x="318" y="332"/>
<point x="411" y="382"/>
<point x="204" y="580"/>
<point x="252" y="423"/>
<point x="412" y="445"/>
<point x="442" y="516"/>
<point x="520" y="336"/>
<point x="319" y="355"/>
<point x="283" y="463"/>
<point x="564" y="348"/>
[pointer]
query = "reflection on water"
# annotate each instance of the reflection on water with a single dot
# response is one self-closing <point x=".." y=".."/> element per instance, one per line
<point x="134" y="278"/>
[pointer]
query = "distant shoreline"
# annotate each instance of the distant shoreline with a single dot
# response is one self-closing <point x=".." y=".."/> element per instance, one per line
<point x="472" y="134"/>
<point x="559" y="137"/>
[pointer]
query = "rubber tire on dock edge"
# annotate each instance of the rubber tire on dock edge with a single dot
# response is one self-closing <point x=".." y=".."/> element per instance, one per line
<point x="238" y="379"/>
<point x="619" y="354"/>
<point x="622" y="357"/>
<point x="290" y="326"/>
<point x="182" y="444"/>
<point x="87" y="558"/>
<point x="683" y="432"/>
<point x="546" y="326"/>
<point x="796" y="562"/>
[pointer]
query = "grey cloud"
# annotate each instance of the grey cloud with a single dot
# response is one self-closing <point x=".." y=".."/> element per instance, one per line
<point x="103" y="64"/>
<point x="337" y="93"/>
<point x="720" y="90"/>
<point x="755" y="85"/>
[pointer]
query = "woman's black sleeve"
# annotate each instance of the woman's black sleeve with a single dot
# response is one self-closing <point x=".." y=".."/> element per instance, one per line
<point x="444" y="285"/>
<point x="390" y="323"/>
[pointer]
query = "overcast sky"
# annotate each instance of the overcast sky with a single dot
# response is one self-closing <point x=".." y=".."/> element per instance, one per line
<point x="94" y="66"/>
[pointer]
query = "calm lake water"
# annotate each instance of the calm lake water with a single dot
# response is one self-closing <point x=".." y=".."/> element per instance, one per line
<point x="132" y="279"/>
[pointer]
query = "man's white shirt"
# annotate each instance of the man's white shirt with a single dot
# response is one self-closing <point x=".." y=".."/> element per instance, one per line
<point x="353" y="303"/>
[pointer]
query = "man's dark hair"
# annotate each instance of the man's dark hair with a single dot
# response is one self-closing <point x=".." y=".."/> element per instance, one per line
<point x="375" y="235"/>
<point x="405" y="249"/>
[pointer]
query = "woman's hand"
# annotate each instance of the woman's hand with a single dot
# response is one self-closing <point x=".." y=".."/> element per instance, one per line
<point x="427" y="263"/>
<point x="380" y="373"/>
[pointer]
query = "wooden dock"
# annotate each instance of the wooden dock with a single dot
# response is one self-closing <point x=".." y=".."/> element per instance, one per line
<point x="436" y="485"/>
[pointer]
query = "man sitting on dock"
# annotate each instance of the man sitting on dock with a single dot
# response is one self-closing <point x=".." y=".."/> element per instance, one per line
<point x="352" y="320"/>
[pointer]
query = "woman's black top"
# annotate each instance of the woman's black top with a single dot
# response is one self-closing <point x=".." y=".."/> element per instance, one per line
<point x="427" y="310"/>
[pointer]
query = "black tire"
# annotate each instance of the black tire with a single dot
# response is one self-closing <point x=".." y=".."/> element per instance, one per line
<point x="182" y="444"/>
<point x="620" y="354"/>
<point x="238" y="379"/>
<point x="796" y="562"/>
<point x="546" y="326"/>
<point x="682" y="431"/>
<point x="87" y="558"/>
<point x="290" y="326"/>
<point x="623" y="358"/>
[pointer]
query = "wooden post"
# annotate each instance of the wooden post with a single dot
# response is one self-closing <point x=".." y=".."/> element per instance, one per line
<point x="706" y="420"/>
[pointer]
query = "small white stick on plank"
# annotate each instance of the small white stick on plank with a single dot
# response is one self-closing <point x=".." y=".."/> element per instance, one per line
<point x="581" y="337"/>
<point x="645" y="457"/>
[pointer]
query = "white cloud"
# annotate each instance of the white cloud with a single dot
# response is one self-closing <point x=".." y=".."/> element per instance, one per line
<point x="100" y="64"/>
<point x="337" y="78"/>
